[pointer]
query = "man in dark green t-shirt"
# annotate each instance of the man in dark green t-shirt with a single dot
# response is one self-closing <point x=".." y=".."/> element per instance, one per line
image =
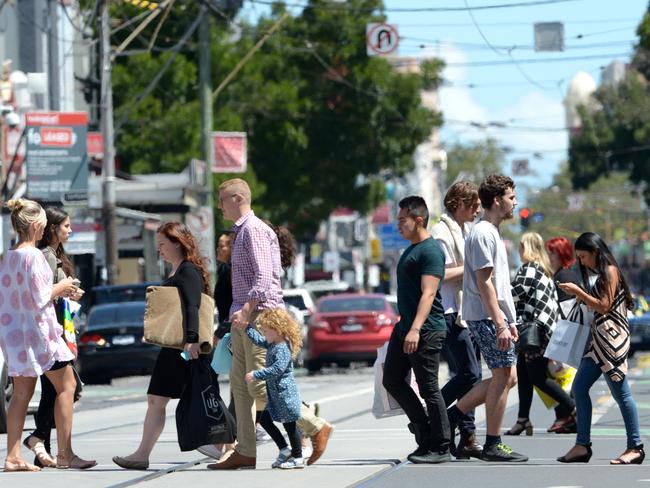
<point x="416" y="341"/>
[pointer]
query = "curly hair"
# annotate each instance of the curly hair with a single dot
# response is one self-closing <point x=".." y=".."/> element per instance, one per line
<point x="181" y="235"/>
<point x="493" y="186"/>
<point x="279" y="320"/>
<point x="461" y="192"/>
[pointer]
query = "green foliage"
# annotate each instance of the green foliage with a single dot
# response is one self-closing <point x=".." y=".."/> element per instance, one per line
<point x="473" y="161"/>
<point x="318" y="111"/>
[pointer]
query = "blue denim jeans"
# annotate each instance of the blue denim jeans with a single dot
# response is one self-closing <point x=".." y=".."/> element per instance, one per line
<point x="587" y="374"/>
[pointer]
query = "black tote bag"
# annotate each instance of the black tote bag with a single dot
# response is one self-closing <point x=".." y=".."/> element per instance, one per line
<point x="201" y="416"/>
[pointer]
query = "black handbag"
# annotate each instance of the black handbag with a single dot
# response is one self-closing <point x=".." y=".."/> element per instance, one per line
<point x="532" y="335"/>
<point x="201" y="415"/>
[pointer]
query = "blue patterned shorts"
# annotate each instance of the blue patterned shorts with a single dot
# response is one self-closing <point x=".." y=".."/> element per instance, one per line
<point x="484" y="333"/>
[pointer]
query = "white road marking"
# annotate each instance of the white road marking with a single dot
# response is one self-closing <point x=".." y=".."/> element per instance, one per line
<point x="352" y="394"/>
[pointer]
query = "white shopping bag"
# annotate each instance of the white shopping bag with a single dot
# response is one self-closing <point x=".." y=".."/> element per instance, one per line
<point x="384" y="405"/>
<point x="568" y="342"/>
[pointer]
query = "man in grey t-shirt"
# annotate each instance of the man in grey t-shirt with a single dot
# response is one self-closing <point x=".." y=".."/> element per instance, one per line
<point x="489" y="311"/>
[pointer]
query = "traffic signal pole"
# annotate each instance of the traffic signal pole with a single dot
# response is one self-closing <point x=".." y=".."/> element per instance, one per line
<point x="108" y="169"/>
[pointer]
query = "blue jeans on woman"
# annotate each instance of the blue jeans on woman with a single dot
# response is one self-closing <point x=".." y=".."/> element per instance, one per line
<point x="588" y="373"/>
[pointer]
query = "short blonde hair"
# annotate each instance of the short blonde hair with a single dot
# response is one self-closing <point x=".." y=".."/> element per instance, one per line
<point x="534" y="251"/>
<point x="279" y="320"/>
<point x="24" y="213"/>
<point x="239" y="187"/>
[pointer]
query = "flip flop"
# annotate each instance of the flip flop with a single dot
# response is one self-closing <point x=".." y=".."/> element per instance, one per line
<point x="11" y="467"/>
<point x="44" y="457"/>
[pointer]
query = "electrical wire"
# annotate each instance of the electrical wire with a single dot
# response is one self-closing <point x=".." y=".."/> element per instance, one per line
<point x="479" y="64"/>
<point x="518" y="24"/>
<point x="533" y="3"/>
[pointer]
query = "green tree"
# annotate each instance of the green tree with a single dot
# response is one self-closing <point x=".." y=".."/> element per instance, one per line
<point x="473" y="160"/>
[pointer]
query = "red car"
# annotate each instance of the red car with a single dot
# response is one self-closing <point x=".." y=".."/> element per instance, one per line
<point x="348" y="327"/>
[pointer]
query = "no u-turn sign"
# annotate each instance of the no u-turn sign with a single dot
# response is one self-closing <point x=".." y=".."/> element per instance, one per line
<point x="381" y="39"/>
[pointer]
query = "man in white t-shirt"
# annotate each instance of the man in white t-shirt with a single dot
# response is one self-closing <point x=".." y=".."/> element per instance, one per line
<point x="489" y="310"/>
<point x="461" y="351"/>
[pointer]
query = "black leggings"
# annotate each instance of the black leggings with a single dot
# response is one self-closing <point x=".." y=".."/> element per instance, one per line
<point x="534" y="372"/>
<point x="292" y="431"/>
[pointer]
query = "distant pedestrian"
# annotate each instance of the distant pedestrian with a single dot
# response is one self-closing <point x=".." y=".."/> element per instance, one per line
<point x="56" y="233"/>
<point x="417" y="339"/>
<point x="171" y="373"/>
<point x="607" y="351"/>
<point x="537" y="310"/>
<point x="282" y="341"/>
<point x="256" y="278"/>
<point x="223" y="285"/>
<point x="490" y="313"/>
<point x="31" y="338"/>
<point x="461" y="352"/>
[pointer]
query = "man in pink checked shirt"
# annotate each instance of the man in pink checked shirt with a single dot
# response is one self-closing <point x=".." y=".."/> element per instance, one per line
<point x="256" y="285"/>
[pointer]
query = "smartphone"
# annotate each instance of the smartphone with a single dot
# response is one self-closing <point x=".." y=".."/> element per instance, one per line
<point x="185" y="355"/>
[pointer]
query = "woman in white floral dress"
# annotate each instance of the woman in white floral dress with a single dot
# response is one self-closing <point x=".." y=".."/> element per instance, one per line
<point x="31" y="338"/>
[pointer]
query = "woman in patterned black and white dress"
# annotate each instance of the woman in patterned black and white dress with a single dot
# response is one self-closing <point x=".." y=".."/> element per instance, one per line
<point x="535" y="297"/>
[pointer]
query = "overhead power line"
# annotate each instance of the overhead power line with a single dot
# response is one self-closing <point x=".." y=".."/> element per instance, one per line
<point x="479" y="64"/>
<point x="533" y="3"/>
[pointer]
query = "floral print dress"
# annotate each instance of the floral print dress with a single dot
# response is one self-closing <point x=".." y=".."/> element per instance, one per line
<point x="30" y="335"/>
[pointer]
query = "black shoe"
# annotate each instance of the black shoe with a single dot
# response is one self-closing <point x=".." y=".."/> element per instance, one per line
<point x="582" y="458"/>
<point x="422" y="434"/>
<point x="468" y="447"/>
<point x="501" y="453"/>
<point x="431" y="458"/>
<point x="420" y="451"/>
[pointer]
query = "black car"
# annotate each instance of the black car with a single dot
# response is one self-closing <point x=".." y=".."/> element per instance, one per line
<point x="639" y="333"/>
<point x="111" y="344"/>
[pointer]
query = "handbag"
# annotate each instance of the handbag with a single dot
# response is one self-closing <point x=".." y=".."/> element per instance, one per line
<point x="201" y="415"/>
<point x="569" y="339"/>
<point x="384" y="405"/>
<point x="531" y="335"/>
<point x="222" y="358"/>
<point x="164" y="323"/>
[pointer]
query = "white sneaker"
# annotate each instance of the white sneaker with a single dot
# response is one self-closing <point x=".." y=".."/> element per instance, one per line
<point x="293" y="463"/>
<point x="261" y="435"/>
<point x="210" y="450"/>
<point x="285" y="453"/>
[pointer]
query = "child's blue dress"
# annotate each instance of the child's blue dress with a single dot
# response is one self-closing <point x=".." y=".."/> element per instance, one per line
<point x="281" y="388"/>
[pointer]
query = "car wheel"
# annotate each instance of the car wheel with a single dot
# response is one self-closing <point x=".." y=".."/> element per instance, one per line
<point x="6" y="391"/>
<point x="314" y="365"/>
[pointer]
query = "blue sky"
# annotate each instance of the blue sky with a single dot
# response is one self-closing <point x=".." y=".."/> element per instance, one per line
<point x="596" y="31"/>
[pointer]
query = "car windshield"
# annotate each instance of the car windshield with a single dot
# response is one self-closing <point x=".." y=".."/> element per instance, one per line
<point x="115" y="315"/>
<point x="296" y="301"/>
<point x="350" y="304"/>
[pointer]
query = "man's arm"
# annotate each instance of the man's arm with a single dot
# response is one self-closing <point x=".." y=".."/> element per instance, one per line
<point x="453" y="274"/>
<point x="429" y="286"/>
<point x="488" y="294"/>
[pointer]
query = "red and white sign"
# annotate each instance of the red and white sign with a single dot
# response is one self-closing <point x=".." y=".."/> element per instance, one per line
<point x="33" y="119"/>
<point x="229" y="152"/>
<point x="95" y="144"/>
<point x="381" y="39"/>
<point x="57" y="137"/>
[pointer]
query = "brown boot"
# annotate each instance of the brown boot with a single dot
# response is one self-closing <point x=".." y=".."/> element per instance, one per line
<point x="468" y="446"/>
<point x="319" y="441"/>
<point x="234" y="461"/>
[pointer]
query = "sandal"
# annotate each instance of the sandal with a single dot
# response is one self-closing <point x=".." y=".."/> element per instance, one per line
<point x="38" y="448"/>
<point x="563" y="425"/>
<point x="15" y="466"/>
<point x="637" y="460"/>
<point x="519" y="427"/>
<point x="75" y="462"/>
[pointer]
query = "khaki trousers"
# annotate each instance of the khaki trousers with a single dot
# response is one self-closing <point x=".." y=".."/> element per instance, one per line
<point x="251" y="397"/>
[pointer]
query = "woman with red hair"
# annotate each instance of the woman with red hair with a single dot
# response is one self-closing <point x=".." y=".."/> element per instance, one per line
<point x="178" y="247"/>
<point x="560" y="252"/>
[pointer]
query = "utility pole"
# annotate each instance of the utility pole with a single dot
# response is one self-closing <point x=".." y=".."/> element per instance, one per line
<point x="205" y="97"/>
<point x="53" y="81"/>
<point x="108" y="170"/>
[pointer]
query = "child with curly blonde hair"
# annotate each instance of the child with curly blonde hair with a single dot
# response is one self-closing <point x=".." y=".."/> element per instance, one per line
<point x="282" y="341"/>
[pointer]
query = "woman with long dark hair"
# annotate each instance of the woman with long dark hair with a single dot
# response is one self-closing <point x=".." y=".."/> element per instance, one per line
<point x="607" y="350"/>
<point x="171" y="373"/>
<point x="56" y="233"/>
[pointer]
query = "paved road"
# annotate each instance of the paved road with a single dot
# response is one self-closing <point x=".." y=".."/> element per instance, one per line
<point x="363" y="452"/>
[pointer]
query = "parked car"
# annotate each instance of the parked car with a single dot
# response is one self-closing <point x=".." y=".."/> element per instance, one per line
<point x="301" y="299"/>
<point x="112" y="343"/>
<point x="348" y="327"/>
<point x="321" y="288"/>
<point x="639" y="333"/>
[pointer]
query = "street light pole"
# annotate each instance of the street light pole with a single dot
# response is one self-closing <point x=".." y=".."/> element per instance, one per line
<point x="108" y="170"/>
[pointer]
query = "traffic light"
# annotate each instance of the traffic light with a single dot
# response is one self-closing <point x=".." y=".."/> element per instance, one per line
<point x="524" y="215"/>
